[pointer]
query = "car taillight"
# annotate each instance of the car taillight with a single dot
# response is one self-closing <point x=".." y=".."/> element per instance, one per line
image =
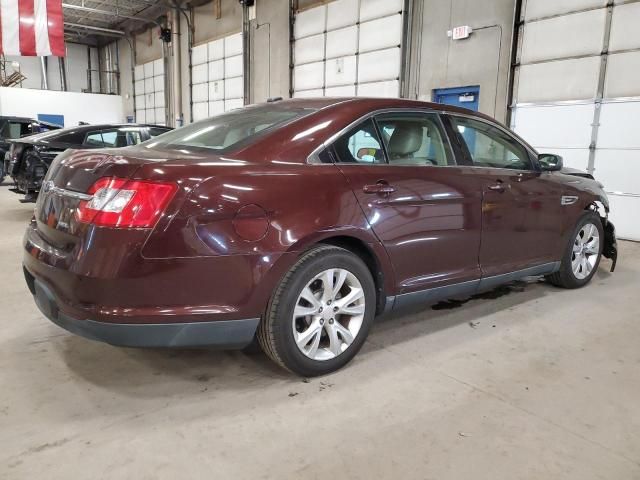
<point x="122" y="203"/>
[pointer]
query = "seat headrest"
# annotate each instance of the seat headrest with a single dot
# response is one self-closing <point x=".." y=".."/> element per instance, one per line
<point x="405" y="139"/>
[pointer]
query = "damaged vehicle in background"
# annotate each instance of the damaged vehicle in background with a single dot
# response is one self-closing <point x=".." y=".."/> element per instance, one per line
<point x="17" y="127"/>
<point x="29" y="158"/>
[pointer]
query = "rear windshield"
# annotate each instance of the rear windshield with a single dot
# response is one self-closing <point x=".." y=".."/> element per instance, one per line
<point x="229" y="130"/>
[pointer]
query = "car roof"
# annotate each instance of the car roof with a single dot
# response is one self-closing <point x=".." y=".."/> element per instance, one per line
<point x="54" y="134"/>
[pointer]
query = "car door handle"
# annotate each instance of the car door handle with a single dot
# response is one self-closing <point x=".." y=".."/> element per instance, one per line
<point x="380" y="188"/>
<point x="499" y="187"/>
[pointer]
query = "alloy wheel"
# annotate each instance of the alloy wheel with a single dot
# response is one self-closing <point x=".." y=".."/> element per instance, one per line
<point x="586" y="248"/>
<point x="328" y="314"/>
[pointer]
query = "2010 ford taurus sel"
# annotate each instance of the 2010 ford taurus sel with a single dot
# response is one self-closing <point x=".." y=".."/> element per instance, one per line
<point x="298" y="222"/>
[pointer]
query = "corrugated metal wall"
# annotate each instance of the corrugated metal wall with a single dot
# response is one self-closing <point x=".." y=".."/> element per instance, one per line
<point x="577" y="93"/>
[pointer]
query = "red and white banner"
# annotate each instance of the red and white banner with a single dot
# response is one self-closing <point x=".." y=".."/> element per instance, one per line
<point x="31" y="27"/>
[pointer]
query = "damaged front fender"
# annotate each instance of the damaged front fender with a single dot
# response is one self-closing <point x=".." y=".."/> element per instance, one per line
<point x="610" y="248"/>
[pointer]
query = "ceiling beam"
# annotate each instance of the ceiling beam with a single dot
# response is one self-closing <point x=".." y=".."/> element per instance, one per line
<point x="104" y="12"/>
<point x="103" y="31"/>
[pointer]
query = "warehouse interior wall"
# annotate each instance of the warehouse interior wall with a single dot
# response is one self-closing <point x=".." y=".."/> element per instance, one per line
<point x="76" y="68"/>
<point x="483" y="59"/>
<point x="270" y="51"/>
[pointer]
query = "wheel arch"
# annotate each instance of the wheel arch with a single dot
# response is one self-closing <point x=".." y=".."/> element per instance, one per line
<point x="368" y="256"/>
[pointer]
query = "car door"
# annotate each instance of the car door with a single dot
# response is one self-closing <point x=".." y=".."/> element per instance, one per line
<point x="522" y="221"/>
<point x="421" y="206"/>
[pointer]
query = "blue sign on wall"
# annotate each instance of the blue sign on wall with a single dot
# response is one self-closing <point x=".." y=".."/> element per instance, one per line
<point x="52" y="118"/>
<point x="465" y="97"/>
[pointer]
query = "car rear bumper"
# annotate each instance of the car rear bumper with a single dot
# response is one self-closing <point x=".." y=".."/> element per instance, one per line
<point x="228" y="334"/>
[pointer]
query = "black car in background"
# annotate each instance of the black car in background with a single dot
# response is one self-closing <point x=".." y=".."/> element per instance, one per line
<point x="18" y="127"/>
<point x="29" y="158"/>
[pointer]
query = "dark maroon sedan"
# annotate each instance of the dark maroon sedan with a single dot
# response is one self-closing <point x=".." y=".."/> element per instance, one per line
<point x="298" y="222"/>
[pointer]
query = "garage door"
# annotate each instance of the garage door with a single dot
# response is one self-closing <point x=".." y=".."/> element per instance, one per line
<point x="218" y="84"/>
<point x="149" y="93"/>
<point x="348" y="48"/>
<point x="577" y="93"/>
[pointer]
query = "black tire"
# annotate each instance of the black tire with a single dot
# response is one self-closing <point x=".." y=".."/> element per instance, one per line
<point x="565" y="278"/>
<point x="275" y="332"/>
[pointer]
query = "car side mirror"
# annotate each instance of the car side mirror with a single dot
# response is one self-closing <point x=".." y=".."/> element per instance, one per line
<point x="550" y="162"/>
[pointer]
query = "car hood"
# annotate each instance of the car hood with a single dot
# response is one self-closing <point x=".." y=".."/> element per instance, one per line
<point x="576" y="172"/>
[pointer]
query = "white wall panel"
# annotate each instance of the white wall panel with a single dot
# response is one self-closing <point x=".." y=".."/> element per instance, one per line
<point x="562" y="126"/>
<point x="342" y="13"/>
<point x="575" y="79"/>
<point x="233" y="88"/>
<point x="233" y="66"/>
<point x="199" y="73"/>
<point x="216" y="90"/>
<point x="139" y="102"/>
<point x="141" y="117"/>
<point x="310" y="22"/>
<point x="148" y="69"/>
<point x="216" y="50"/>
<point x="200" y="111"/>
<point x="216" y="108"/>
<point x="139" y="71"/>
<point x="309" y="76"/>
<point x="340" y="71"/>
<point x="381" y="33"/>
<point x="623" y="75"/>
<point x="233" y="45"/>
<point x="379" y="65"/>
<point x="618" y="170"/>
<point x="625" y="33"/>
<point x="200" y="92"/>
<point x="562" y="37"/>
<point x="309" y="49"/>
<point x="158" y="99"/>
<point x="344" y="91"/>
<point x="342" y="42"/>
<point x="233" y="104"/>
<point x="150" y="115"/>
<point x="620" y="126"/>
<point x="158" y="67"/>
<point x="377" y="8"/>
<point x="139" y="86"/>
<point x="216" y="70"/>
<point x="545" y="8"/>
<point x="199" y="54"/>
<point x="158" y="84"/>
<point x="159" y="116"/>
<point x="148" y="85"/>
<point x="379" y="89"/>
<point x="308" y="93"/>
<point x="624" y="215"/>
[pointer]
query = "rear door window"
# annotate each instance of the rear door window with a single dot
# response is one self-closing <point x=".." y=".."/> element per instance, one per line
<point x="414" y="139"/>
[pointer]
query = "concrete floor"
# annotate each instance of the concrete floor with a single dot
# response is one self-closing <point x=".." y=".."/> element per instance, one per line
<point x="535" y="383"/>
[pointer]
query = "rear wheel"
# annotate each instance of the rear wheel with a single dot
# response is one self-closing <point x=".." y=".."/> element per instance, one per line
<point x="320" y="314"/>
<point x="582" y="257"/>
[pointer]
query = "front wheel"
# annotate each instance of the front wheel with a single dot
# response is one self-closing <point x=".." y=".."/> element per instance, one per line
<point x="582" y="257"/>
<point x="320" y="314"/>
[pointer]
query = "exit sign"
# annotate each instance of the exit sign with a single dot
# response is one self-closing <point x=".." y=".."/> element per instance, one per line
<point x="459" y="33"/>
